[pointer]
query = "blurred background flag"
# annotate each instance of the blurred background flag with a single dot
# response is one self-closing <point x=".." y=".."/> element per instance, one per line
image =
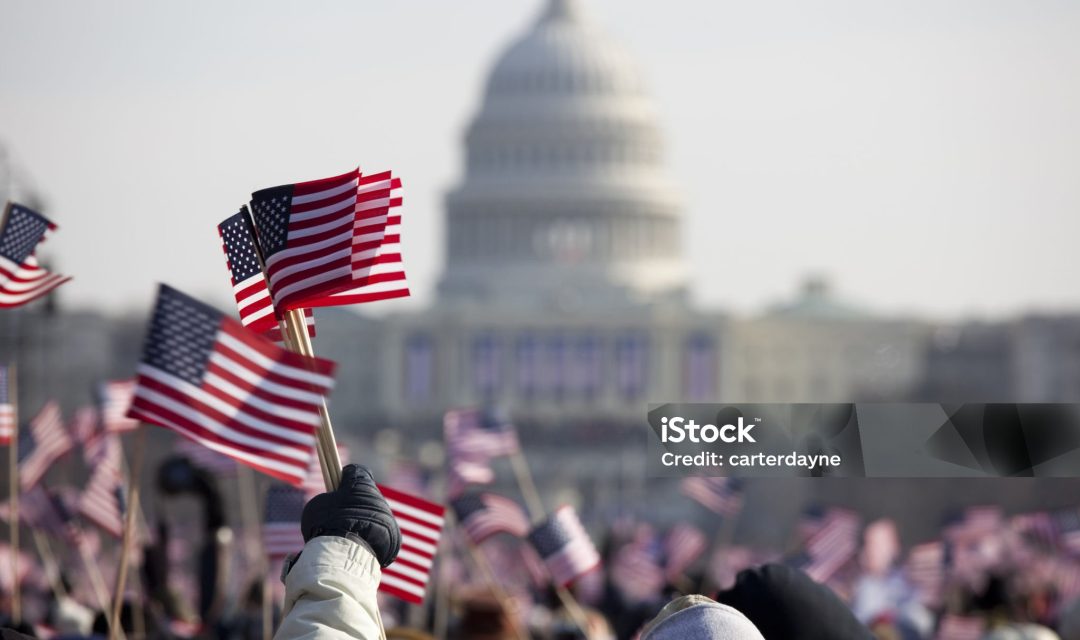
<point x="7" y="408"/>
<point x="205" y="376"/>
<point x="21" y="278"/>
<point x="378" y="271"/>
<point x="103" y="500"/>
<point x="683" y="545"/>
<point x="281" y="521"/>
<point x="834" y="543"/>
<point x="421" y="523"/>
<point x="482" y="515"/>
<point x="42" y="444"/>
<point x="479" y="432"/>
<point x="564" y="546"/>
<point x="956" y="627"/>
<point x="248" y="281"/>
<point x="116" y="397"/>
<point x="722" y="496"/>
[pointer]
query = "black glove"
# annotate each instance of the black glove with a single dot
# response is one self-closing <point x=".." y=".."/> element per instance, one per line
<point x="355" y="510"/>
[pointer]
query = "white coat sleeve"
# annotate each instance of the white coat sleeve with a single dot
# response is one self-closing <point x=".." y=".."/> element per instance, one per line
<point x="330" y="592"/>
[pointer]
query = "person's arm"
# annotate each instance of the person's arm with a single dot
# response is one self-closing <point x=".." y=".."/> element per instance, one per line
<point x="330" y="588"/>
<point x="330" y="592"/>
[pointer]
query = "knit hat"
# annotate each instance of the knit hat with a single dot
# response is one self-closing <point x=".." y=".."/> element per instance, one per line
<point x="699" y="618"/>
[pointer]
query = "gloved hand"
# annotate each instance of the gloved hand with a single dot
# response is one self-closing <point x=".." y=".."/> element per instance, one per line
<point x="354" y="510"/>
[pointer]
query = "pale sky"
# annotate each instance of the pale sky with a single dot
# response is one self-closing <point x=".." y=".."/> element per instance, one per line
<point x="925" y="154"/>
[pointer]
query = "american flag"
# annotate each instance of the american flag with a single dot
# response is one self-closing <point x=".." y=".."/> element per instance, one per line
<point x="116" y="397"/>
<point x="472" y="433"/>
<point x="21" y="278"/>
<point x="832" y="541"/>
<point x="473" y="437"/>
<point x="1038" y="528"/>
<point x="248" y="281"/>
<point x="683" y="545"/>
<point x="955" y="627"/>
<point x="925" y="569"/>
<point x="637" y="572"/>
<point x="38" y="511"/>
<point x="42" y="444"/>
<point x="378" y="271"/>
<point x="421" y="523"/>
<point x="315" y="242"/>
<point x="7" y="407"/>
<point x="483" y="515"/>
<point x="564" y="546"/>
<point x="103" y="500"/>
<point x="281" y="521"/>
<point x="206" y="377"/>
<point x="722" y="496"/>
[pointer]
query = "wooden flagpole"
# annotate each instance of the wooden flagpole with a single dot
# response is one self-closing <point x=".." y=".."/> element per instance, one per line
<point x="48" y="562"/>
<point x="296" y="339"/>
<point x="537" y="513"/>
<point x="497" y="589"/>
<point x="129" y="531"/>
<point x="13" y="488"/>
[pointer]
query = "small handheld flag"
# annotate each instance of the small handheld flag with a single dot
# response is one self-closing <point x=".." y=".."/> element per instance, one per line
<point x="483" y="515"/>
<point x="421" y="523"/>
<point x="22" y="279"/>
<point x="564" y="546"/>
<point x="45" y="442"/>
<point x="281" y="521"/>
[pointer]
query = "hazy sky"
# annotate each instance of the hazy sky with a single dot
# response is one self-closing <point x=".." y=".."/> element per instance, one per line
<point x="925" y="154"/>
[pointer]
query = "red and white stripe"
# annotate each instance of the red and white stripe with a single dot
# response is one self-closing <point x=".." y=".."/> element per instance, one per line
<point x="116" y="397"/>
<point x="282" y="538"/>
<point x="577" y="556"/>
<point x="954" y="627"/>
<point x="100" y="502"/>
<point x="421" y="523"/>
<point x="51" y="441"/>
<point x="684" y="544"/>
<point x="257" y="403"/>
<point x="23" y="283"/>
<point x="317" y="258"/>
<point x="378" y="271"/>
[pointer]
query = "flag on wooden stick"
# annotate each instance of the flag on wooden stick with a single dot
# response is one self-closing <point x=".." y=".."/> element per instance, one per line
<point x="103" y="501"/>
<point x="7" y="407"/>
<point x="482" y="515"/>
<point x="22" y="279"/>
<point x="45" y="442"/>
<point x="116" y="397"/>
<point x="421" y="523"/>
<point x="564" y="546"/>
<point x="257" y="311"/>
<point x="206" y="377"/>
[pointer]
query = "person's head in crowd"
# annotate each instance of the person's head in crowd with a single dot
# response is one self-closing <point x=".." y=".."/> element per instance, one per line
<point x="785" y="603"/>
<point x="699" y="618"/>
<point x="1021" y="632"/>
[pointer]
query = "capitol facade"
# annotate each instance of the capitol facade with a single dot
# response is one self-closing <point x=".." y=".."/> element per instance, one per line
<point x="565" y="291"/>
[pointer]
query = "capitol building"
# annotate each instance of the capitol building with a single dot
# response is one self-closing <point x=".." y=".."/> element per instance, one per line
<point x="565" y="291"/>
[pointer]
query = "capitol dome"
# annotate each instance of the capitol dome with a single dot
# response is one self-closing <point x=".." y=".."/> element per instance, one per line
<point x="564" y="199"/>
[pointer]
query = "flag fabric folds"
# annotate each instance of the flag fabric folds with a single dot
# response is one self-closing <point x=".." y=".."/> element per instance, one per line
<point x="206" y="459"/>
<point x="473" y="438"/>
<point x="281" y="521"/>
<point x="377" y="265"/>
<point x="248" y="281"/>
<point x="103" y="500"/>
<point x="45" y="442"/>
<point x="7" y="407"/>
<point x="683" y="545"/>
<point x="116" y="397"/>
<point x="305" y="232"/>
<point x="206" y="377"/>
<point x="722" y="496"/>
<point x="421" y="523"/>
<point x="482" y="515"/>
<point x="22" y="279"/>
<point x="564" y="546"/>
